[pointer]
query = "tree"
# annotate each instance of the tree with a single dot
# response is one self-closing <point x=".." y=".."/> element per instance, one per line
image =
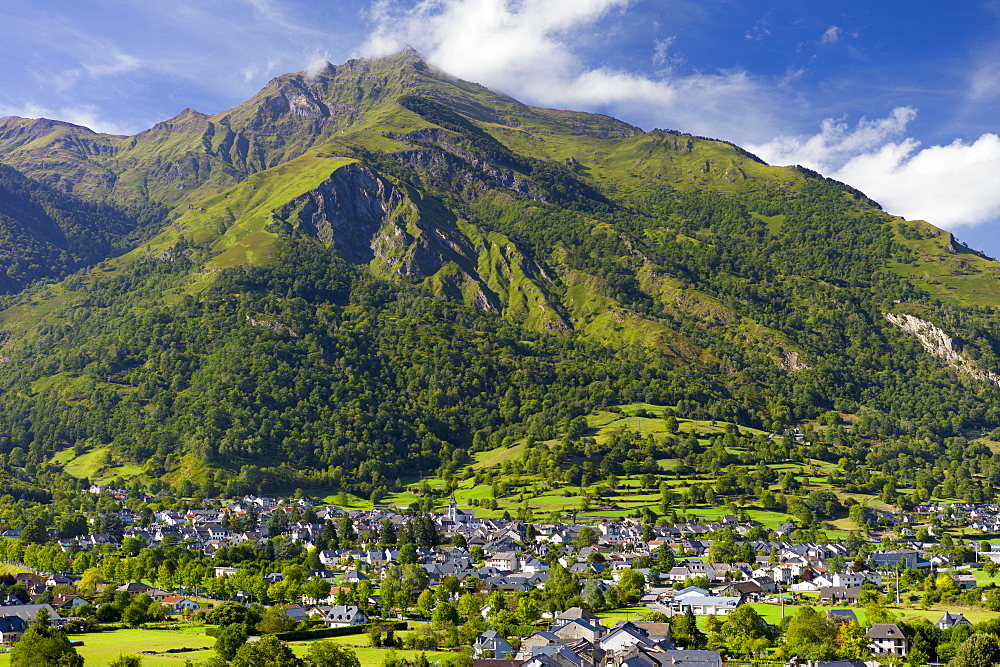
<point x="425" y="603"/>
<point x="230" y="639"/>
<point x="275" y="620"/>
<point x="329" y="654"/>
<point x="232" y="612"/>
<point x="742" y="627"/>
<point x="632" y="584"/>
<point x="316" y="589"/>
<point x="156" y="612"/>
<point x="587" y="537"/>
<point x="89" y="581"/>
<point x="135" y="613"/>
<point x="44" y="646"/>
<point x="592" y="596"/>
<point x="851" y="640"/>
<point x="979" y="650"/>
<point x="444" y="613"/>
<point x="34" y="532"/>
<point x="73" y="525"/>
<point x="269" y="651"/>
<point x="468" y="605"/>
<point x="528" y="610"/>
<point x="684" y="628"/>
<point x="126" y="660"/>
<point x="811" y="635"/>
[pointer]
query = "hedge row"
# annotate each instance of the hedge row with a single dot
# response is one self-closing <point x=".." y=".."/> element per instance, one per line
<point x="323" y="633"/>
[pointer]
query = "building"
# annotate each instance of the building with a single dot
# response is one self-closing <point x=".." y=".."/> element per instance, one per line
<point x="949" y="620"/>
<point x="887" y="638"/>
<point x="491" y="644"/>
<point x="340" y="616"/>
<point x="11" y="629"/>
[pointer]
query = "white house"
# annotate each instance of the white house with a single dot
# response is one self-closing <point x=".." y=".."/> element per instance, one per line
<point x="180" y="604"/>
<point x="705" y="605"/>
<point x="855" y="578"/>
<point x="341" y="616"/>
<point x="886" y="638"/>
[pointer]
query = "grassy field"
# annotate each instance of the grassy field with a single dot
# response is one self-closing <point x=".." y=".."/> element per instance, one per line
<point x="102" y="647"/>
<point x="373" y="657"/>
<point x="612" y="618"/>
<point x="772" y="612"/>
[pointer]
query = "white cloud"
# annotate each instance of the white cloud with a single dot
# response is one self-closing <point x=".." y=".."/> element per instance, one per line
<point x="837" y="142"/>
<point x="952" y="185"/>
<point x="661" y="50"/>
<point x="831" y="36"/>
<point x="527" y="49"/>
<point x="760" y="30"/>
<point x="85" y="115"/>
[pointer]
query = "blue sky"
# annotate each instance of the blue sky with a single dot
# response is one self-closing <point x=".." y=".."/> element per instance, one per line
<point x="896" y="98"/>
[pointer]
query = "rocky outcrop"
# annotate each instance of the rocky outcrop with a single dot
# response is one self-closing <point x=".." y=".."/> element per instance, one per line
<point x="276" y="327"/>
<point x="941" y="345"/>
<point x="347" y="211"/>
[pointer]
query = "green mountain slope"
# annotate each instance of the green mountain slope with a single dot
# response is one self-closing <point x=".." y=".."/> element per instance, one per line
<point x="370" y="272"/>
<point x="47" y="234"/>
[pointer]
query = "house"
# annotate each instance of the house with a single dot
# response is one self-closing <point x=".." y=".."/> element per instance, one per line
<point x="887" y="638"/>
<point x="707" y="605"/>
<point x="835" y="594"/>
<point x="843" y="615"/>
<point x="353" y="577"/>
<point x="134" y="588"/>
<point x="296" y="613"/>
<point x="907" y="559"/>
<point x="691" y="658"/>
<point x="574" y="614"/>
<point x="492" y="645"/>
<point x="949" y="620"/>
<point x="180" y="604"/>
<point x="690" y="590"/>
<point x="11" y="628"/>
<point x="341" y="616"/>
<point x="851" y="579"/>
<point x="766" y="583"/>
<point x="748" y="590"/>
<point x="68" y="603"/>
<point x="158" y="594"/>
<point x="628" y="635"/>
<point x="539" y="638"/>
<point x="965" y="581"/>
<point x="506" y="561"/>
<point x="27" y="613"/>
<point x="579" y="629"/>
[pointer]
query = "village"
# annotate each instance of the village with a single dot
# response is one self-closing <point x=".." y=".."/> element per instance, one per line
<point x="634" y="584"/>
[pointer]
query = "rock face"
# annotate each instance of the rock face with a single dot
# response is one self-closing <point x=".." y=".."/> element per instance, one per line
<point x="367" y="220"/>
<point x="941" y="345"/>
<point x="347" y="211"/>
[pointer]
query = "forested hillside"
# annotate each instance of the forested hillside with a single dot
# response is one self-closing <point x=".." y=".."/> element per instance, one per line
<point x="385" y="268"/>
<point x="46" y="234"/>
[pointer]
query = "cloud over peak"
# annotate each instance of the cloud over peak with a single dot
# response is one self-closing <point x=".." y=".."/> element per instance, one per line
<point x="951" y="185"/>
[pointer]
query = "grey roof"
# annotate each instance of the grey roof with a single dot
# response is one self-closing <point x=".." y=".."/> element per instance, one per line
<point x="884" y="631"/>
<point x="950" y="620"/>
<point x="846" y="614"/>
<point x="13" y="624"/>
<point x="28" y="611"/>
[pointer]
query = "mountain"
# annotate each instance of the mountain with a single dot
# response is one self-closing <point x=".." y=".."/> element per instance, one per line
<point x="47" y="234"/>
<point x="373" y="271"/>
